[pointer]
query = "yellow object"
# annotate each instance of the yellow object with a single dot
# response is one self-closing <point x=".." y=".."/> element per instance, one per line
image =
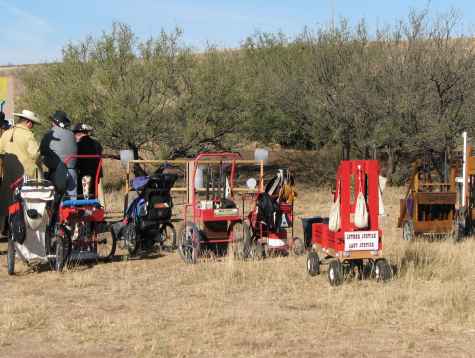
<point x="3" y="88"/>
<point x="20" y="142"/>
<point x="287" y="193"/>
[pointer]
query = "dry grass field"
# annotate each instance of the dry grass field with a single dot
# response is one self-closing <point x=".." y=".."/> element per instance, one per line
<point x="160" y="307"/>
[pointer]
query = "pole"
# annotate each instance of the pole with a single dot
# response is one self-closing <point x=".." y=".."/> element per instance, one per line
<point x="464" y="168"/>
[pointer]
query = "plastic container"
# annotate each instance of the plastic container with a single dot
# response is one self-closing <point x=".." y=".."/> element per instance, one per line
<point x="307" y="228"/>
<point x="125" y="156"/>
<point x="261" y="154"/>
<point x="199" y="177"/>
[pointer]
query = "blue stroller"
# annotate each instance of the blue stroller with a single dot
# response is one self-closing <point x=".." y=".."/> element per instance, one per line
<point x="147" y="220"/>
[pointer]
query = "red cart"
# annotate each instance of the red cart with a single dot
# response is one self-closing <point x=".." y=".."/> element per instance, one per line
<point x="82" y="222"/>
<point x="350" y="250"/>
<point x="271" y="221"/>
<point x="212" y="220"/>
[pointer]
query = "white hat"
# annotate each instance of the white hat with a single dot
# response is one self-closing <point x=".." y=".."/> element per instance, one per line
<point x="26" y="114"/>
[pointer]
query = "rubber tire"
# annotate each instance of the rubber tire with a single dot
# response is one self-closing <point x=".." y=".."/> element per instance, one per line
<point x="173" y="244"/>
<point x="111" y="253"/>
<point x="60" y="253"/>
<point x="382" y="271"/>
<point x="335" y="273"/>
<point x="313" y="264"/>
<point x="11" y="257"/>
<point x="132" y="246"/>
<point x="298" y="247"/>
<point x="189" y="258"/>
<point x="408" y="230"/>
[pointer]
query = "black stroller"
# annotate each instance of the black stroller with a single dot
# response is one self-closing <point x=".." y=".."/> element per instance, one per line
<point x="147" y="220"/>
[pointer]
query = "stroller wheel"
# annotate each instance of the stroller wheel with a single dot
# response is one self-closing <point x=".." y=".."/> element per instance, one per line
<point x="131" y="239"/>
<point x="11" y="256"/>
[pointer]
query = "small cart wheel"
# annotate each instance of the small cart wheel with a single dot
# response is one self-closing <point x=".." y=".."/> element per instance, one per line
<point x="11" y="256"/>
<point x="313" y="264"/>
<point x="257" y="251"/>
<point x="189" y="243"/>
<point x="298" y="247"/>
<point x="408" y="230"/>
<point x="458" y="232"/>
<point x="382" y="270"/>
<point x="60" y="251"/>
<point x="106" y="244"/>
<point x="335" y="273"/>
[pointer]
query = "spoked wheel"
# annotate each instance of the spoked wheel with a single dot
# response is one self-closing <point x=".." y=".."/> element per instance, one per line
<point x="240" y="235"/>
<point x="408" y="230"/>
<point x="106" y="243"/>
<point x="131" y="240"/>
<point x="382" y="270"/>
<point x="335" y="273"/>
<point x="313" y="264"/>
<point x="60" y="253"/>
<point x="168" y="236"/>
<point x="189" y="243"/>
<point x="11" y="256"/>
<point x="257" y="251"/>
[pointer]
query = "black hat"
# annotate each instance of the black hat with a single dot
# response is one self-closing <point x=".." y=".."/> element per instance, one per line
<point x="82" y="127"/>
<point x="61" y="119"/>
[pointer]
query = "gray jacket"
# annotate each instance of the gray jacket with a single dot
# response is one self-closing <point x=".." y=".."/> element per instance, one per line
<point x="58" y="144"/>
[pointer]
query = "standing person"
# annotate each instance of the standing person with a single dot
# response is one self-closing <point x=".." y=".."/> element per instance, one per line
<point x="87" y="167"/>
<point x="57" y="146"/>
<point x="20" y="152"/>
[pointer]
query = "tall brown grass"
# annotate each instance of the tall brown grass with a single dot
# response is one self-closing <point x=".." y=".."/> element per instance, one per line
<point x="161" y="307"/>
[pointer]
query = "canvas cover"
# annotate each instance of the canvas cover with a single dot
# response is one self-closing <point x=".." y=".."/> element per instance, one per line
<point x="35" y="200"/>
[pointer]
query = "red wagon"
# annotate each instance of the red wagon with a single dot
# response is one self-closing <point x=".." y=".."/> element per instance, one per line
<point x="351" y="249"/>
<point x="212" y="220"/>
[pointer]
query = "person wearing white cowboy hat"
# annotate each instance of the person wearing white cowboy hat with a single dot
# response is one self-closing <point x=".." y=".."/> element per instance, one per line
<point x="21" y="155"/>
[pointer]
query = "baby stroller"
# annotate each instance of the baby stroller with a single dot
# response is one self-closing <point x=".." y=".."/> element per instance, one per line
<point x="147" y="220"/>
<point x="29" y="218"/>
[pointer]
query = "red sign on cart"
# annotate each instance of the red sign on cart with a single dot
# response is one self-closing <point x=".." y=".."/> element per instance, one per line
<point x="361" y="240"/>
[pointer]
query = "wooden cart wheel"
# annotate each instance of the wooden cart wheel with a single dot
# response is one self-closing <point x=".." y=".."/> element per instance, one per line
<point x="408" y="230"/>
<point x="11" y="256"/>
<point x="382" y="270"/>
<point x="189" y="243"/>
<point x="106" y="243"/>
<point x="313" y="263"/>
<point x="335" y="273"/>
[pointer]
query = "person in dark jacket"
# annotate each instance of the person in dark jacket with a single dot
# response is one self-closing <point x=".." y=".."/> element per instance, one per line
<point x="58" y="147"/>
<point x="87" y="167"/>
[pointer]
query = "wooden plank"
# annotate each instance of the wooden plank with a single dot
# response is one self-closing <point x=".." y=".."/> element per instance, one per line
<point x="436" y="198"/>
<point x="434" y="226"/>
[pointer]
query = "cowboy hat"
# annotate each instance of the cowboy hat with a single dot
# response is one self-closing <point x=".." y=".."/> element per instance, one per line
<point x="82" y="127"/>
<point x="29" y="115"/>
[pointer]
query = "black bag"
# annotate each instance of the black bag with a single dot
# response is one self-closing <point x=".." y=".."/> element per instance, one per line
<point x="268" y="211"/>
<point x="16" y="222"/>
